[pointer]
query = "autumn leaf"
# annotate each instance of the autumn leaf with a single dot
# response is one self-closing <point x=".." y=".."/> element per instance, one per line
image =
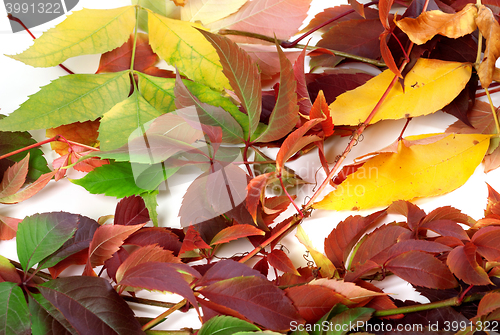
<point x="279" y="260"/>
<point x="186" y="43"/>
<point x="349" y="290"/>
<point x="490" y="29"/>
<point x="14" y="312"/>
<point x="80" y="132"/>
<point x="235" y="232"/>
<point x="434" y="22"/>
<point x="88" y="31"/>
<point x="8" y="227"/>
<point x="326" y="268"/>
<point x="14" y="178"/>
<point x="209" y="11"/>
<point x="463" y="263"/>
<point x="425" y="79"/>
<point x="413" y="172"/>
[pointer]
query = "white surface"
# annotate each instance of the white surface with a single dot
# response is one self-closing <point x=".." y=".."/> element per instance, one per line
<point x="19" y="81"/>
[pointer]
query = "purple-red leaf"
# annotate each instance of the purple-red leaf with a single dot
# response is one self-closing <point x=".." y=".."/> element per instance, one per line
<point x="279" y="260"/>
<point x="90" y="305"/>
<point x="257" y="299"/>
<point x="422" y="269"/>
<point x="463" y="263"/>
<point x="113" y="263"/>
<point x="227" y="269"/>
<point x="446" y="228"/>
<point x="411" y="211"/>
<point x="487" y="241"/>
<point x="130" y="211"/>
<point x="155" y="235"/>
<point x="409" y="245"/>
<point x="255" y="189"/>
<point x="235" y="232"/>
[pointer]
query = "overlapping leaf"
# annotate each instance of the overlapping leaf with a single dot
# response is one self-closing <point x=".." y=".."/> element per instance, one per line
<point x="14" y="313"/>
<point x="88" y="31"/>
<point x="326" y="267"/>
<point x="209" y="11"/>
<point x="490" y="29"/>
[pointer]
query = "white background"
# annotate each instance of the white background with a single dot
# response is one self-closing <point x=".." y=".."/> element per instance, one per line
<point x="19" y="81"/>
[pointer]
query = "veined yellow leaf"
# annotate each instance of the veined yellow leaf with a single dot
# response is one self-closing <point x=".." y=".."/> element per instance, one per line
<point x="327" y="269"/>
<point x="181" y="45"/>
<point x="415" y="171"/>
<point x="88" y="31"/>
<point x="429" y="86"/>
<point x="123" y="119"/>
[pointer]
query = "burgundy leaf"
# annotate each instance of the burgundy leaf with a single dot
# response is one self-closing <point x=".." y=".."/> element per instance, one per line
<point x="192" y="241"/>
<point x="161" y="277"/>
<point x="115" y="261"/>
<point x="359" y="270"/>
<point x="155" y="235"/>
<point x="262" y="266"/>
<point x="341" y="240"/>
<point x="130" y="211"/>
<point x="90" y="304"/>
<point x="422" y="269"/>
<point x="227" y="269"/>
<point x="312" y="301"/>
<point x="449" y="213"/>
<point x="79" y="258"/>
<point x="462" y="262"/>
<point x="409" y="245"/>
<point x="412" y="213"/>
<point x="8" y="272"/>
<point x="343" y="12"/>
<point x="446" y="228"/>
<point x="487" y="242"/>
<point x="279" y="260"/>
<point x="255" y="298"/>
<point x="235" y="232"/>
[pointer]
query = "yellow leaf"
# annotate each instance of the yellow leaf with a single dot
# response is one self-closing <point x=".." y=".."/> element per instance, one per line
<point x="327" y="269"/>
<point x="415" y="171"/>
<point x="434" y="22"/>
<point x="88" y="31"/>
<point x="209" y="11"/>
<point x="181" y="45"/>
<point x="429" y="86"/>
<point x="490" y="29"/>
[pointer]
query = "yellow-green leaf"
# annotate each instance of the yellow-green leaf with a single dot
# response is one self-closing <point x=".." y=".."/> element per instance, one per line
<point x="429" y="86"/>
<point x="123" y="119"/>
<point x="327" y="269"/>
<point x="72" y="98"/>
<point x="208" y="11"/>
<point x="414" y="171"/>
<point x="88" y="31"/>
<point x="181" y="45"/>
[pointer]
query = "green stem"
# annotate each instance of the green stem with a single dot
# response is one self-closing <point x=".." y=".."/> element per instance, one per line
<point x="132" y="60"/>
<point x="302" y="46"/>
<point x="31" y="271"/>
<point x="493" y="111"/>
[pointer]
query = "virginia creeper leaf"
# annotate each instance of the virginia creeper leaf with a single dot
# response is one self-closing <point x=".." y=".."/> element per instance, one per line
<point x="227" y="269"/>
<point x="462" y="262"/>
<point x="40" y="235"/>
<point x="303" y="97"/>
<point x="123" y="179"/>
<point x="284" y="116"/>
<point x="163" y="237"/>
<point x="225" y="325"/>
<point x="209" y="11"/>
<point x="81" y="132"/>
<point x="349" y="290"/>
<point x="490" y="29"/>
<point x="30" y="190"/>
<point x="423" y="80"/>
<point x="46" y="319"/>
<point x="279" y="260"/>
<point x="326" y="268"/>
<point x="187" y="49"/>
<point x="256" y="298"/>
<point x="90" y="304"/>
<point x="68" y="99"/>
<point x="8" y="272"/>
<point x="422" y="269"/>
<point x="88" y="31"/>
<point x="243" y="76"/>
<point x="14" y="313"/>
<point x="487" y="241"/>
<point x="488" y="304"/>
<point x="280" y="18"/>
<point x="434" y="22"/>
<point x="14" y="178"/>
<point x="415" y="171"/>
<point x="131" y="210"/>
<point x="106" y="241"/>
<point x="235" y="232"/>
<point x="193" y="241"/>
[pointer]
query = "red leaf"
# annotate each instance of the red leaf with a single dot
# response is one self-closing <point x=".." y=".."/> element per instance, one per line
<point x="156" y="235"/>
<point x="493" y="200"/>
<point x="375" y="242"/>
<point x="446" y="228"/>
<point x="386" y="54"/>
<point x="89" y="305"/>
<point x="412" y="212"/>
<point x="284" y="116"/>
<point x="421" y="269"/>
<point x="384" y="8"/>
<point x="119" y="59"/>
<point x="161" y="277"/>
<point x="211" y="309"/>
<point x="489" y="303"/>
<point x="359" y="270"/>
<point x="452" y="242"/>
<point x="30" y="190"/>
<point x="235" y="232"/>
<point x="193" y="241"/>
<point x="462" y="262"/>
<point x="8" y="227"/>
<point x="115" y="261"/>
<point x="106" y="241"/>
<point x="296" y="141"/>
<point x="359" y="8"/>
<point x="149" y="253"/>
<point x="379" y="303"/>
<point x="449" y="213"/>
<point x="338" y="11"/>
<point x="255" y="189"/>
<point x="227" y="269"/>
<point x="341" y="240"/>
<point x="14" y="178"/>
<point x="257" y="299"/>
<point x="80" y="132"/>
<point x="320" y="110"/>
<point x="279" y="260"/>
<point x="130" y="211"/>
<point x="312" y="301"/>
<point x="262" y="266"/>
<point x="487" y="241"/>
<point x="304" y="100"/>
<point x="8" y="272"/>
<point x="409" y="245"/>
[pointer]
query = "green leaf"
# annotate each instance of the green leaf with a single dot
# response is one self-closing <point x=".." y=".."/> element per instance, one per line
<point x="123" y="119"/>
<point x="285" y="114"/>
<point x="151" y="204"/>
<point x="225" y="325"/>
<point x="44" y="322"/>
<point x="187" y="50"/>
<point x="14" y="313"/>
<point x="159" y="92"/>
<point x="124" y="179"/>
<point x="72" y="98"/>
<point x="89" y="31"/>
<point x="40" y="235"/>
<point x="243" y="75"/>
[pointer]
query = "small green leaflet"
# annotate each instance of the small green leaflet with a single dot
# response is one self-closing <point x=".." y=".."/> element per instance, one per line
<point x="14" y="313"/>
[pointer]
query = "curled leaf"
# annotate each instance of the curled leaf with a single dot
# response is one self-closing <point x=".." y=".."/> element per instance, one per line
<point x="490" y="29"/>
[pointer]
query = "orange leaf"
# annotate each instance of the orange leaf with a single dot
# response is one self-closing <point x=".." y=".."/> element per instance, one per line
<point x="490" y="29"/>
<point x="80" y="132"/>
<point x="320" y="110"/>
<point x="8" y="227"/>
<point x="236" y="232"/>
